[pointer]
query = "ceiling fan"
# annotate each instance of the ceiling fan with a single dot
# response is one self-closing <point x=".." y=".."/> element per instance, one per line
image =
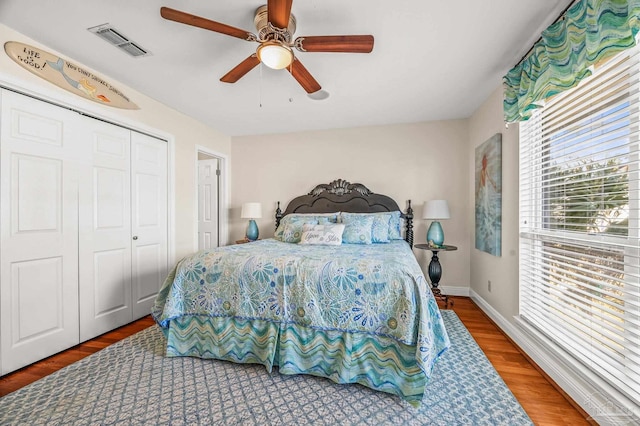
<point x="276" y="24"/>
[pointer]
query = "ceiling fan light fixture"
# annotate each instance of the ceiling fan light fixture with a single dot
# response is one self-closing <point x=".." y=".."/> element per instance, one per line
<point x="275" y="55"/>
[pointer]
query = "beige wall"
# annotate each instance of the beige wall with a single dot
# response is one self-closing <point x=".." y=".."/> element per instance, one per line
<point x="153" y="117"/>
<point x="410" y="161"/>
<point x="503" y="270"/>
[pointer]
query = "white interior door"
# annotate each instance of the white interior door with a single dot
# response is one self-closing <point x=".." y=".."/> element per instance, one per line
<point x="39" y="231"/>
<point x="105" y="229"/>
<point x="149" y="220"/>
<point x="208" y="177"/>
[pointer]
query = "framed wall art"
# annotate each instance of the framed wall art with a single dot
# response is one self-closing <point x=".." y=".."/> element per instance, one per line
<point x="488" y="202"/>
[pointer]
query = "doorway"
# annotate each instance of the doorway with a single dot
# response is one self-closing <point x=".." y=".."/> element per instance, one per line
<point x="211" y="191"/>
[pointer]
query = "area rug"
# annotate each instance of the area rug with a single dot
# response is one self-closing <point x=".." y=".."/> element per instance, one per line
<point x="131" y="382"/>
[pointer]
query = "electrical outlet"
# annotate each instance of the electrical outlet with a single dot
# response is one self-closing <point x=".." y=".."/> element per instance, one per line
<point x="489" y="285"/>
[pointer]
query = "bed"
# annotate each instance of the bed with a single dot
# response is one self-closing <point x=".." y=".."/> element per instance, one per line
<point x="356" y="310"/>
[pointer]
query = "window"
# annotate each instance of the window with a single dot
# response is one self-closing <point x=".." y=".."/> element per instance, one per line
<point x="579" y="220"/>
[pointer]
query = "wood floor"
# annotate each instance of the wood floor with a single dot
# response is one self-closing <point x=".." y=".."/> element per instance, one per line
<point x="542" y="402"/>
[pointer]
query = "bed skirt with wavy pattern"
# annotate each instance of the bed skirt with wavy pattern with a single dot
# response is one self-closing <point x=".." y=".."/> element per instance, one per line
<point x="377" y="362"/>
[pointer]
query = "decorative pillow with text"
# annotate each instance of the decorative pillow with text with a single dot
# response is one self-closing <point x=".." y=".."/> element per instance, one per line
<point x="328" y="235"/>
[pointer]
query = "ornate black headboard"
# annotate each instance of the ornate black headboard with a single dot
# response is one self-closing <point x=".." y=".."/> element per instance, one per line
<point x="343" y="196"/>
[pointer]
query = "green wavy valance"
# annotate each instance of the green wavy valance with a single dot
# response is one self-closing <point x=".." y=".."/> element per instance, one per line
<point x="589" y="31"/>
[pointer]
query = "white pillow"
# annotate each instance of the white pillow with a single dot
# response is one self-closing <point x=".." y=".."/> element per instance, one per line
<point x="328" y="235"/>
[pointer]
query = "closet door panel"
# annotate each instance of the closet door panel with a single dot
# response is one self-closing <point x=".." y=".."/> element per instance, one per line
<point x="36" y="201"/>
<point x="35" y="126"/>
<point x="150" y="265"/>
<point x="39" y="230"/>
<point x="33" y="281"/>
<point x="105" y="230"/>
<point x="149" y="213"/>
<point x="110" y="281"/>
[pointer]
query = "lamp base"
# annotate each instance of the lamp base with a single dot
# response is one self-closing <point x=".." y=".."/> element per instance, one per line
<point x="252" y="230"/>
<point x="435" y="234"/>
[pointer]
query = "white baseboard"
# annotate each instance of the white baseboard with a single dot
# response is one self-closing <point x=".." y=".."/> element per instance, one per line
<point x="602" y="403"/>
<point x="455" y="291"/>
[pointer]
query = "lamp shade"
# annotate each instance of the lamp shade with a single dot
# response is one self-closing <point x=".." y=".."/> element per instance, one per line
<point x="436" y="209"/>
<point x="275" y="55"/>
<point x="251" y="211"/>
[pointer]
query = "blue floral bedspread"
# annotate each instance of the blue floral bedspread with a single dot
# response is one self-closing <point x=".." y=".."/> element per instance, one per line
<point x="378" y="289"/>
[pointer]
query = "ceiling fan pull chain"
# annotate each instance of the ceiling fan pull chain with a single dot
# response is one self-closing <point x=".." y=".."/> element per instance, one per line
<point x="260" y="86"/>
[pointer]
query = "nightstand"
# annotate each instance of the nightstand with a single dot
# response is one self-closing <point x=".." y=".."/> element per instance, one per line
<point x="435" y="270"/>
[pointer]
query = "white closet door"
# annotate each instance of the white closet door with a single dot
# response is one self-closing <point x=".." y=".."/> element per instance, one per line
<point x="39" y="230"/>
<point x="207" y="203"/>
<point x="149" y="220"/>
<point x="105" y="229"/>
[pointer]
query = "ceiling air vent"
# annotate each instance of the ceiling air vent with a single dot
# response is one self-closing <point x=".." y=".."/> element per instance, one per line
<point x="115" y="37"/>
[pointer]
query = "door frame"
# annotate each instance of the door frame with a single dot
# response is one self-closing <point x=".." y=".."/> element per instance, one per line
<point x="223" y="195"/>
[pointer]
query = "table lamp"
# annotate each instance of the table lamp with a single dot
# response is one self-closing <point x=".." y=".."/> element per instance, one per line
<point x="251" y="211"/>
<point x="435" y="210"/>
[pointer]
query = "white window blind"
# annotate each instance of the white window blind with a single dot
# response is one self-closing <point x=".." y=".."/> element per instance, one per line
<point x="579" y="222"/>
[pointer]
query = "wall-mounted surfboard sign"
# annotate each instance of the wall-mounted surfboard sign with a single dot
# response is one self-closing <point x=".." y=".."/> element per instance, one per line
<point x="67" y="75"/>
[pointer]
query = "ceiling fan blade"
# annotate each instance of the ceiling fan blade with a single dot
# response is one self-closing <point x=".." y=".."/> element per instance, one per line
<point x="241" y="69"/>
<point x="278" y="12"/>
<point x="306" y="80"/>
<point x="197" y="21"/>
<point x="337" y="43"/>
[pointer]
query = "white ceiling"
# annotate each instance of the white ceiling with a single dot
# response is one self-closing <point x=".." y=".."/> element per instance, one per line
<point x="432" y="60"/>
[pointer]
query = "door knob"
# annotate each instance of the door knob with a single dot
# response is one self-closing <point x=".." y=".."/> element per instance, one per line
<point x="135" y="237"/>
